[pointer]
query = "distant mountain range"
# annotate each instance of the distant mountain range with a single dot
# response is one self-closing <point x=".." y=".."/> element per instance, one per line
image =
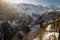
<point x="33" y="11"/>
<point x="29" y="9"/>
<point x="37" y="9"/>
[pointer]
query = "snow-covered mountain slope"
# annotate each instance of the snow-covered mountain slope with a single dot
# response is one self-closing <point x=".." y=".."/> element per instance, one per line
<point x="36" y="10"/>
<point x="30" y="9"/>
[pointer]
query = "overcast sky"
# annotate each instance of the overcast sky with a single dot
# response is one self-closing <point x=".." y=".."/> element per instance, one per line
<point x="38" y="2"/>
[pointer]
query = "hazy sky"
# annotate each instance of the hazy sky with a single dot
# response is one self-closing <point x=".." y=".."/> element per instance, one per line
<point x="48" y="2"/>
<point x="38" y="2"/>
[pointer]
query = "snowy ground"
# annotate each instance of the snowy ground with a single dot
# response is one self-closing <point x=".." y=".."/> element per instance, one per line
<point x="47" y="35"/>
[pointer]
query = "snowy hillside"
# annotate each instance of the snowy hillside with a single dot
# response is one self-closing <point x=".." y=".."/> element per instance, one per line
<point x="30" y="8"/>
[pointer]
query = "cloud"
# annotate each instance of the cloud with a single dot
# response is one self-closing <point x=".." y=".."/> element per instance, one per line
<point x="22" y="1"/>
